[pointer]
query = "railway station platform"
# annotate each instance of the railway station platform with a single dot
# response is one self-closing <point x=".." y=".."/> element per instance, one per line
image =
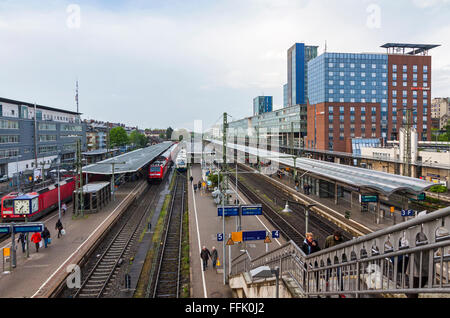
<point x="367" y="219"/>
<point x="204" y="225"/>
<point x="41" y="274"/>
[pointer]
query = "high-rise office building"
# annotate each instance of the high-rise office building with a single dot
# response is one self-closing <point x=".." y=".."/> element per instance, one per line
<point x="262" y="104"/>
<point x="298" y="57"/>
<point x="285" y="95"/>
<point x="367" y="95"/>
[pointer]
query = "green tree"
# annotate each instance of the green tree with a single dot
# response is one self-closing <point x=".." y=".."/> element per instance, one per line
<point x="169" y="132"/>
<point x="138" y="139"/>
<point x="118" y="137"/>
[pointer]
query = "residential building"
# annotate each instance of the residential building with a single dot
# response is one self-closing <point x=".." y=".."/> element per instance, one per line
<point x="31" y="134"/>
<point x="440" y="110"/>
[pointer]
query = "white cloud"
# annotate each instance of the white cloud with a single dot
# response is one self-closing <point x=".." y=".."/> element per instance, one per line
<point x="430" y="3"/>
<point x="151" y="67"/>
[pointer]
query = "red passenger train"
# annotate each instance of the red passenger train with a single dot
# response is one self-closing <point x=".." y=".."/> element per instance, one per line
<point x="47" y="201"/>
<point x="158" y="168"/>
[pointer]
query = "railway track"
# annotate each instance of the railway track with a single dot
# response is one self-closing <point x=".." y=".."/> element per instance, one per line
<point x="292" y="225"/>
<point x="167" y="274"/>
<point x="104" y="271"/>
<point x="286" y="225"/>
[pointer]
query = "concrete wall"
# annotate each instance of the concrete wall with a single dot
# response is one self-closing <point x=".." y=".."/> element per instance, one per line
<point x="265" y="288"/>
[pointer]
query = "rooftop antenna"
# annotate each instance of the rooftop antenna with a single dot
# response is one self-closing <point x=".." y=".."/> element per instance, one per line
<point x="76" y="97"/>
<point x="325" y="46"/>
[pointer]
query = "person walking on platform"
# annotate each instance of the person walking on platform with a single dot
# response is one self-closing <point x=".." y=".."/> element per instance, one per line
<point x="36" y="239"/>
<point x="205" y="255"/>
<point x="46" y="236"/>
<point x="195" y="187"/>
<point x="310" y="245"/>
<point x="199" y="185"/>
<point x="22" y="239"/>
<point x="214" y="256"/>
<point x="64" y="208"/>
<point x="59" y="227"/>
<point x="191" y="179"/>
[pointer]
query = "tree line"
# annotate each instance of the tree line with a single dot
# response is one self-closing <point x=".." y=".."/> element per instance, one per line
<point x="118" y="137"/>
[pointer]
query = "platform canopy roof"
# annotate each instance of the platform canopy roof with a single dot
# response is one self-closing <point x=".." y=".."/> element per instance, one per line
<point x="370" y="180"/>
<point x="417" y="48"/>
<point x="128" y="162"/>
<point x="98" y="152"/>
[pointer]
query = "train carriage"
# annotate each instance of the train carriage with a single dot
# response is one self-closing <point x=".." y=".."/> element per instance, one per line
<point x="158" y="169"/>
<point x="42" y="201"/>
<point x="181" y="161"/>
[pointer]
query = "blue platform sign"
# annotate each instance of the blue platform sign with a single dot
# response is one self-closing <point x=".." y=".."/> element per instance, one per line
<point x="275" y="234"/>
<point x="251" y="209"/>
<point x="369" y="198"/>
<point x="220" y="237"/>
<point x="408" y="213"/>
<point x="253" y="235"/>
<point x="4" y="229"/>
<point x="28" y="228"/>
<point x="231" y="210"/>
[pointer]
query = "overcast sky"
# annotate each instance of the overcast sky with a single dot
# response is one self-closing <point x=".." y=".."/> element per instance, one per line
<point x="165" y="63"/>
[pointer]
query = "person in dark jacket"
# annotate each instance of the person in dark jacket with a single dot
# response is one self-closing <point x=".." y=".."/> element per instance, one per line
<point x="22" y="239"/>
<point x="45" y="236"/>
<point x="191" y="179"/>
<point x="334" y="239"/>
<point x="59" y="227"/>
<point x="205" y="255"/>
<point x="310" y="245"/>
<point x="420" y="266"/>
<point x="214" y="256"/>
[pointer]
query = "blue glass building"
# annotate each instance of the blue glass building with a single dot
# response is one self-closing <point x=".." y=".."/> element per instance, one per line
<point x="262" y="104"/>
<point x="350" y="78"/>
<point x="297" y="87"/>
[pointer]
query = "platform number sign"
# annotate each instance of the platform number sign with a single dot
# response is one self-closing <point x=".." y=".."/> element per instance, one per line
<point x="219" y="237"/>
<point x="408" y="213"/>
<point x="275" y="234"/>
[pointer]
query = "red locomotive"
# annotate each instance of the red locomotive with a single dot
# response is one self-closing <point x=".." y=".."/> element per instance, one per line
<point x="39" y="204"/>
<point x="159" y="167"/>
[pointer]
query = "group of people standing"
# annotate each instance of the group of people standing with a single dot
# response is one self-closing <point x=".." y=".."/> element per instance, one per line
<point x="38" y="237"/>
<point x="205" y="255"/>
<point x="310" y="245"/>
<point x="199" y="185"/>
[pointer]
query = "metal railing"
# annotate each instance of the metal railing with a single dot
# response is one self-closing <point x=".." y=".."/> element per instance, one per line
<point x="408" y="258"/>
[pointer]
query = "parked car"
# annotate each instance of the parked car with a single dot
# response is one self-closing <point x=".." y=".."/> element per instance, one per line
<point x="4" y="178"/>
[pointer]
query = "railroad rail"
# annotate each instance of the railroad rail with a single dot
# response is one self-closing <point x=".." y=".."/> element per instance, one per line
<point x="288" y="227"/>
<point x="105" y="269"/>
<point x="167" y="274"/>
<point x="350" y="226"/>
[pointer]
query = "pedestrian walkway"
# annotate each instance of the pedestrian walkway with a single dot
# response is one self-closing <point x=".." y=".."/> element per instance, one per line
<point x="41" y="273"/>
<point x="204" y="225"/>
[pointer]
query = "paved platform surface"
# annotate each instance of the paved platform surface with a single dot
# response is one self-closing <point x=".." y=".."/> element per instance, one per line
<point x="39" y="274"/>
<point x="204" y="224"/>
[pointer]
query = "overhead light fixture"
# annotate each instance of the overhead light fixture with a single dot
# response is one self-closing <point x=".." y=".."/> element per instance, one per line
<point x="286" y="208"/>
